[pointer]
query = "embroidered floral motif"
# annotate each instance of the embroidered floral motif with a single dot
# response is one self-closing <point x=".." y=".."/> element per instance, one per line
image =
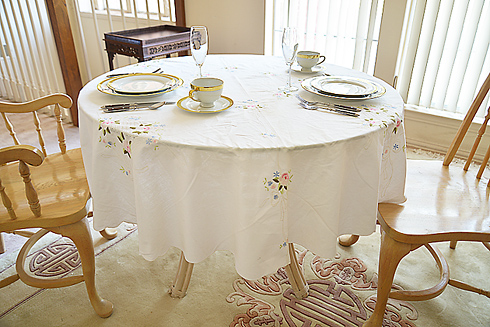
<point x="104" y="125"/>
<point x="141" y="128"/>
<point x="283" y="94"/>
<point x="278" y="187"/>
<point x="125" y="143"/>
<point x="127" y="172"/>
<point x="249" y="104"/>
<point x="395" y="119"/>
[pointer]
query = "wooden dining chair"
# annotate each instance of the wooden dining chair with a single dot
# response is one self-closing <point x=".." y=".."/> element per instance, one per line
<point x="24" y="135"/>
<point x="444" y="203"/>
<point x="53" y="195"/>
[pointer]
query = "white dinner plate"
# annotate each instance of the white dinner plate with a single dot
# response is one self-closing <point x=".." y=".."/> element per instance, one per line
<point x="188" y="104"/>
<point x="344" y="87"/>
<point x="314" y="69"/>
<point x="104" y="88"/>
<point x="141" y="83"/>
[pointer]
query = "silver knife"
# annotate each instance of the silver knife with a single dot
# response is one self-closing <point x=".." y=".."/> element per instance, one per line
<point x="127" y="105"/>
<point x="135" y="106"/>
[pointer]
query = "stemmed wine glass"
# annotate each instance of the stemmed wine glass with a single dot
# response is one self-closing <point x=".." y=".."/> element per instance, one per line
<point x="289" y="48"/>
<point x="199" y="45"/>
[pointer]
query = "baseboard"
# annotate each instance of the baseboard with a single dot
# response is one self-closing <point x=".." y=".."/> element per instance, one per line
<point x="435" y="133"/>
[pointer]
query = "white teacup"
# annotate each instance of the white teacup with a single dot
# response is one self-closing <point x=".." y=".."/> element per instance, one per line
<point x="206" y="90"/>
<point x="309" y="59"/>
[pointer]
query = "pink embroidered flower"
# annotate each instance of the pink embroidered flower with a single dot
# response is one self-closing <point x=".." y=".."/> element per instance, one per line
<point x="284" y="179"/>
<point x="107" y="122"/>
<point x="127" y="145"/>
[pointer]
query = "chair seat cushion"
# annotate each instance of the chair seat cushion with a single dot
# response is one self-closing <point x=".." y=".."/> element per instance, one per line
<point x="440" y="200"/>
<point x="61" y="186"/>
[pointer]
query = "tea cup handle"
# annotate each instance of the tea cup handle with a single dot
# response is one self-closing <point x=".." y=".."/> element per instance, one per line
<point x="322" y="60"/>
<point x="191" y="95"/>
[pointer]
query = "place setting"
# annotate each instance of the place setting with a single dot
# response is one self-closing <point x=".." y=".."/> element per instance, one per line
<point x="205" y="95"/>
<point x="139" y="84"/>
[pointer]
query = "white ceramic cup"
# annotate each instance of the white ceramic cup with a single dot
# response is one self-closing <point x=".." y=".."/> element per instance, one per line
<point x="206" y="90"/>
<point x="309" y="59"/>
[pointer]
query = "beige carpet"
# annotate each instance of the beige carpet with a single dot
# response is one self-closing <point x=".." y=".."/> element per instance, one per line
<point x="342" y="289"/>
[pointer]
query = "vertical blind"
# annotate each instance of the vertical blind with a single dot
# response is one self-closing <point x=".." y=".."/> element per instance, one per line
<point x="346" y="32"/>
<point x="446" y="56"/>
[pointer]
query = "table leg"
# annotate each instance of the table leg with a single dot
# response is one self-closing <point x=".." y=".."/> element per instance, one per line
<point x="182" y="279"/>
<point x="295" y="275"/>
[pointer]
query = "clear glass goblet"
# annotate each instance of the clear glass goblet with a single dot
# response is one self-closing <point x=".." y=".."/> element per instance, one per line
<point x="199" y="45"/>
<point x="289" y="49"/>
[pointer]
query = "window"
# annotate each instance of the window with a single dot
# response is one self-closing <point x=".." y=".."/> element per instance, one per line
<point x="144" y="8"/>
<point x="345" y="32"/>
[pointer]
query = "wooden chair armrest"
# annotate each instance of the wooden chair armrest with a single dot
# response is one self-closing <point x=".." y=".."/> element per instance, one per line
<point x="36" y="104"/>
<point x="27" y="153"/>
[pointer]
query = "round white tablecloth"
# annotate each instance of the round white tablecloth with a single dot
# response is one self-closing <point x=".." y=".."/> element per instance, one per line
<point x="249" y="179"/>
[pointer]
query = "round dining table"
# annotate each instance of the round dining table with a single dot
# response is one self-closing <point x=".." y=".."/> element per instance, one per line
<point x="254" y="178"/>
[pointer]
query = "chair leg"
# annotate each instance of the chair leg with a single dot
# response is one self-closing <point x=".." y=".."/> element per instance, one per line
<point x="452" y="244"/>
<point x="80" y="234"/>
<point x="108" y="233"/>
<point x="390" y="254"/>
<point x="348" y="239"/>
<point x="2" y="244"/>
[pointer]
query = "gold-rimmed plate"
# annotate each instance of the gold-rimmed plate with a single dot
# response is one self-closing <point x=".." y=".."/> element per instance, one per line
<point x="176" y="83"/>
<point x="345" y="88"/>
<point x="188" y="104"/>
<point x="141" y="83"/>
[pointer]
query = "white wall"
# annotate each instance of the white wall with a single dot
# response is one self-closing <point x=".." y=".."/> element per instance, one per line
<point x="234" y="26"/>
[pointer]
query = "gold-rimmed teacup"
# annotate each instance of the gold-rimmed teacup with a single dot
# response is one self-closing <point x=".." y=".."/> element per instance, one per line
<point x="206" y="90"/>
<point x="309" y="59"/>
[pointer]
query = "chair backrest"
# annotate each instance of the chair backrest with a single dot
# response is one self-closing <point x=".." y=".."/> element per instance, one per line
<point x="57" y="100"/>
<point x="463" y="128"/>
<point x="24" y="154"/>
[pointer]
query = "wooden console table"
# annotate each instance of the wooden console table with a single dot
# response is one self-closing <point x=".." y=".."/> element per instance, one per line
<point x="147" y="43"/>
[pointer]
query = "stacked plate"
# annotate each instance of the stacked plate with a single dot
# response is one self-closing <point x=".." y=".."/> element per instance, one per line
<point x="343" y="87"/>
<point x="140" y="84"/>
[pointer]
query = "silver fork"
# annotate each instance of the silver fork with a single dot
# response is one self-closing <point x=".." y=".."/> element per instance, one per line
<point x="334" y="105"/>
<point x="329" y="109"/>
<point x="123" y="74"/>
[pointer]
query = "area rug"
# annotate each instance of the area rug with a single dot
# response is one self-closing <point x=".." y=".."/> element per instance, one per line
<point x="342" y="288"/>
